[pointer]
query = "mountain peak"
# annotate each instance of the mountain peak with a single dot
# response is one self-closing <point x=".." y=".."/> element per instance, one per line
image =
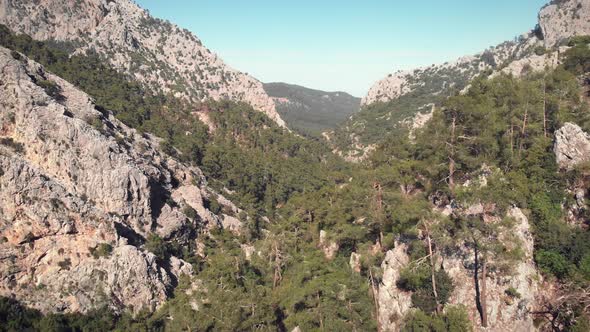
<point x="155" y="52"/>
<point x="561" y="19"/>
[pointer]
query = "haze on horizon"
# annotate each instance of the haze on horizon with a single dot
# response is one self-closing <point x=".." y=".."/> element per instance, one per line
<point x="336" y="46"/>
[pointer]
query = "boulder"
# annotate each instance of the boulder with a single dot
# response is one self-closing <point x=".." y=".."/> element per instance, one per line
<point x="572" y="146"/>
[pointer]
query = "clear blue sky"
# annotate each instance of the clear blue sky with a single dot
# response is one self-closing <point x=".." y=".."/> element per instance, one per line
<point x="345" y="45"/>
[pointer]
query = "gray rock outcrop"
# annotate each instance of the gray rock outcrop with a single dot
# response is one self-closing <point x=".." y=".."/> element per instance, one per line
<point x="505" y="313"/>
<point x="80" y="194"/>
<point x="572" y="146"/>
<point x="394" y="303"/>
<point x="561" y="20"/>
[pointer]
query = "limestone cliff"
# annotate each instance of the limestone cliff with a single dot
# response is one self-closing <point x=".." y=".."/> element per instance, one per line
<point x="505" y="313"/>
<point x="572" y="146"/>
<point x="157" y="53"/>
<point x="558" y="21"/>
<point x="80" y="194"/>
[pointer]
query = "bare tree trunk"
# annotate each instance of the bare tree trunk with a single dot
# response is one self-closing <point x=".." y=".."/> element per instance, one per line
<point x="511" y="139"/>
<point x="379" y="209"/>
<point x="452" y="155"/>
<point x="320" y="311"/>
<point x="544" y="107"/>
<point x="478" y="296"/>
<point x="432" y="269"/>
<point x="277" y="273"/>
<point x="484" y="309"/>
<point x="523" y="133"/>
<point x="375" y="293"/>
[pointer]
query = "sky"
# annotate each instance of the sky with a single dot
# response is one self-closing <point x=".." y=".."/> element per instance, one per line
<point x="345" y="45"/>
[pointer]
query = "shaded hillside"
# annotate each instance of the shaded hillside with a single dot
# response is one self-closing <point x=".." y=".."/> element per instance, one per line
<point x="309" y="110"/>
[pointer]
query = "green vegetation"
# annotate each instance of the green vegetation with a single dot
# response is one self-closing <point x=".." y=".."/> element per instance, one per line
<point x="264" y="167"/>
<point x="501" y="129"/>
<point x="418" y="280"/>
<point x="312" y="111"/>
<point x="101" y="250"/>
<point x="12" y="144"/>
<point x="15" y="317"/>
<point x="454" y="320"/>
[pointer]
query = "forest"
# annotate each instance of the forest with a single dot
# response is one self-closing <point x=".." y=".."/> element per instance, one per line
<point x="504" y="125"/>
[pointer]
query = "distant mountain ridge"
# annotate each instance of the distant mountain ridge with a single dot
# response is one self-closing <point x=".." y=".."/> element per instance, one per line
<point x="395" y="100"/>
<point x="558" y="21"/>
<point x="155" y="52"/>
<point x="311" y="110"/>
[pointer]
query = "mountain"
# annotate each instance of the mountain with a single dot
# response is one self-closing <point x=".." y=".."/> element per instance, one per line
<point x="393" y="101"/>
<point x="157" y="53"/>
<point x="81" y="193"/>
<point x="311" y="110"/>
<point x="127" y="208"/>
<point x="112" y="192"/>
<point x="558" y="21"/>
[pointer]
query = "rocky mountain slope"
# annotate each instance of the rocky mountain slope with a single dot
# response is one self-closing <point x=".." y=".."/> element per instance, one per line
<point x="311" y="110"/>
<point x="393" y="101"/>
<point x="558" y="21"/>
<point x="157" y="53"/>
<point x="81" y="193"/>
<point x="506" y="313"/>
<point x="479" y="221"/>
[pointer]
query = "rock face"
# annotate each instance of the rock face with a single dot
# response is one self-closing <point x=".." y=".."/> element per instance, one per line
<point x="437" y="80"/>
<point x="572" y="146"/>
<point x="394" y="303"/>
<point x="563" y="19"/>
<point x="505" y="313"/>
<point x="330" y="248"/>
<point x="530" y="64"/>
<point x="155" y="52"/>
<point x="80" y="193"/>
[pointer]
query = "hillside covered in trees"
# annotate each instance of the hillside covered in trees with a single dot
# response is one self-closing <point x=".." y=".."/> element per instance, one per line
<point x="476" y="221"/>
<point x="311" y="111"/>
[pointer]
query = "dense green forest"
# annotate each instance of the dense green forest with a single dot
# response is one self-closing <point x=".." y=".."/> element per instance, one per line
<point x="310" y="111"/>
<point x="504" y="123"/>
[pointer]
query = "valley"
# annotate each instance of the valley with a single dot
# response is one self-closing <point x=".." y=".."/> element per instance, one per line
<point x="145" y="185"/>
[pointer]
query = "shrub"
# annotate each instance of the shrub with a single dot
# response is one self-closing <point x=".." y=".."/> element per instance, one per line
<point x="553" y="263"/>
<point x="579" y="40"/>
<point x="97" y="124"/>
<point x="413" y="279"/>
<point x="212" y="204"/>
<point x="65" y="264"/>
<point x="455" y="319"/>
<point x="156" y="245"/>
<point x="577" y="59"/>
<point x="540" y="50"/>
<point x="16" y="56"/>
<point x="190" y="213"/>
<point x="102" y="250"/>
<point x="52" y="89"/>
<point x="584" y="266"/>
<point x="419" y="281"/>
<point x="512" y="292"/>
<point x="11" y="143"/>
